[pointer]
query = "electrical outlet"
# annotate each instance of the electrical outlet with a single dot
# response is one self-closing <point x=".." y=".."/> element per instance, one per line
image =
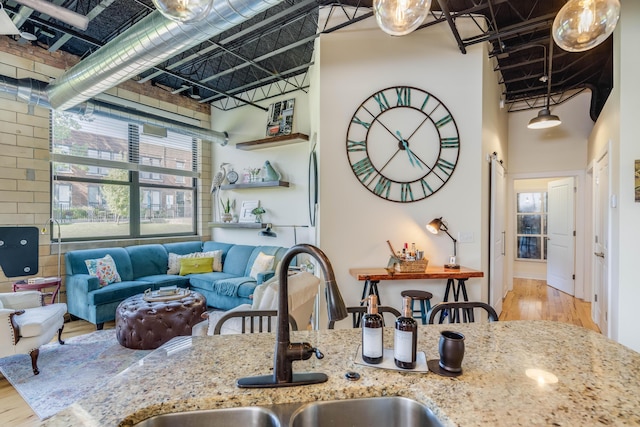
<point x="465" y="237"/>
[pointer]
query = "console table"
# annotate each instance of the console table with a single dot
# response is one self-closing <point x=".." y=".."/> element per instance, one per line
<point x="49" y="282"/>
<point x="372" y="276"/>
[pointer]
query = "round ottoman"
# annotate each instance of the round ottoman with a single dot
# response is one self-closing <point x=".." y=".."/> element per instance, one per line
<point x="145" y="325"/>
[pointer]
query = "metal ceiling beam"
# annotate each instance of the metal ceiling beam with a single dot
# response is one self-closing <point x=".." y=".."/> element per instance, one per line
<point x="91" y="15"/>
<point x="452" y="25"/>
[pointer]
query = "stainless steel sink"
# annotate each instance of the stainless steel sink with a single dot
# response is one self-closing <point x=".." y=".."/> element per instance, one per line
<point x="369" y="412"/>
<point x="366" y="412"/>
<point x="231" y="417"/>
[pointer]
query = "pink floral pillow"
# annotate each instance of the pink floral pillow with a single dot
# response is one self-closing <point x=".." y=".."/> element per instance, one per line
<point x="104" y="269"/>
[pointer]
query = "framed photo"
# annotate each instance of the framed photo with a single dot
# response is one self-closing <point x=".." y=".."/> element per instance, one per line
<point x="280" y="118"/>
<point x="245" y="211"/>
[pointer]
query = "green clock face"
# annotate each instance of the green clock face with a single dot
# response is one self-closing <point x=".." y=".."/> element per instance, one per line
<point x="403" y="144"/>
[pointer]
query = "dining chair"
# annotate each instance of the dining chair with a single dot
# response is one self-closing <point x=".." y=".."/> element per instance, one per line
<point x="460" y="312"/>
<point x="251" y="321"/>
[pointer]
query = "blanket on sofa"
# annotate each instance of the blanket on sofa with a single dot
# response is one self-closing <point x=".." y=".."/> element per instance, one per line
<point x="230" y="287"/>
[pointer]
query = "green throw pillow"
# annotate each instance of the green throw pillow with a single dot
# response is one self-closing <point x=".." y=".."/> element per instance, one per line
<point x="195" y="265"/>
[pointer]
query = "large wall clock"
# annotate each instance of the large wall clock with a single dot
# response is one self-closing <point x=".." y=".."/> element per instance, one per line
<point x="403" y="144"/>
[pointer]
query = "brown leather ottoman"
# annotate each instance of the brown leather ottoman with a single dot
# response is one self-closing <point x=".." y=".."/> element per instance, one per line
<point x="146" y="325"/>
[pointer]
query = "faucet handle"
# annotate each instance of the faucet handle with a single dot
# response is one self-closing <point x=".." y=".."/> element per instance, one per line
<point x="319" y="354"/>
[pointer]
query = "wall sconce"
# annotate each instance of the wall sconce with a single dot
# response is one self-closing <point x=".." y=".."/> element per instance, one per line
<point x="435" y="227"/>
<point x="583" y="24"/>
<point x="400" y="17"/>
<point x="44" y="230"/>
<point x="268" y="232"/>
<point x="184" y="11"/>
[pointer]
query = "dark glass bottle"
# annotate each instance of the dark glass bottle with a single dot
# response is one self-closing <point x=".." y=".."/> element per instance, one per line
<point x="372" y="341"/>
<point x="405" y="338"/>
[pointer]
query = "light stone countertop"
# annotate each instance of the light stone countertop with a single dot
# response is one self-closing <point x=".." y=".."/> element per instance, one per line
<point x="598" y="379"/>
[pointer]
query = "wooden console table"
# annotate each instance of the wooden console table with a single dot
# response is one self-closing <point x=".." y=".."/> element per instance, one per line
<point x="50" y="282"/>
<point x="372" y="276"/>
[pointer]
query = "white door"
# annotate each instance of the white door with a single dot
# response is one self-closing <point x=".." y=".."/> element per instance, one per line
<point x="497" y="287"/>
<point x="601" y="244"/>
<point x="560" y="235"/>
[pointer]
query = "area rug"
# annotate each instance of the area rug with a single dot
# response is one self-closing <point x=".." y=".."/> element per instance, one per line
<point x="68" y="372"/>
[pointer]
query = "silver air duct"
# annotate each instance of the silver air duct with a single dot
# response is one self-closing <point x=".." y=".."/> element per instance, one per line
<point x="148" y="43"/>
<point x="33" y="92"/>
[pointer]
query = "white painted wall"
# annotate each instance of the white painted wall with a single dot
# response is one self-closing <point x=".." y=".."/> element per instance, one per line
<point x="618" y="124"/>
<point x="284" y="206"/>
<point x="353" y="64"/>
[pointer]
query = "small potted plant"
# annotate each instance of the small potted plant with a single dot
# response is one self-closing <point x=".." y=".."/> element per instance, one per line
<point x="258" y="212"/>
<point x="226" y="216"/>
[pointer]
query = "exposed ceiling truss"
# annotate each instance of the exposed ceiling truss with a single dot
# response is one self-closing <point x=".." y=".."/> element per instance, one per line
<point x="270" y="55"/>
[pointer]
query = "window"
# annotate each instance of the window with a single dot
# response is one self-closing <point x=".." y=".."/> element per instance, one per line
<point x="110" y="180"/>
<point x="531" y="232"/>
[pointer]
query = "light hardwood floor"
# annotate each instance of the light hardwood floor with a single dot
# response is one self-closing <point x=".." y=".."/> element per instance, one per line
<point x="529" y="300"/>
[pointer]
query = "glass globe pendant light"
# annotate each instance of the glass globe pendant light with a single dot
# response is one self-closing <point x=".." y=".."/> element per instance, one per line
<point x="400" y="17"/>
<point x="184" y="11"/>
<point x="584" y="24"/>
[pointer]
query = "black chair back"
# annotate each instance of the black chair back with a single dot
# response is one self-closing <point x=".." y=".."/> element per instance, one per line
<point x="460" y="312"/>
<point x="259" y="321"/>
<point x="359" y="310"/>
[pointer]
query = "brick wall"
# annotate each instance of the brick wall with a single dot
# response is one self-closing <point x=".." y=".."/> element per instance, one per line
<point x="25" y="187"/>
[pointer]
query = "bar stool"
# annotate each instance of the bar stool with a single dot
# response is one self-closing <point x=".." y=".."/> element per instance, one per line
<point x="424" y="298"/>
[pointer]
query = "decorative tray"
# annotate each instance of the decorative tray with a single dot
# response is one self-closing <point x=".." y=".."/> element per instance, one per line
<point x="388" y="363"/>
<point x="165" y="295"/>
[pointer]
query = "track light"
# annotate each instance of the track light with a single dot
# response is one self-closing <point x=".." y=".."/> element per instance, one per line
<point x="194" y="92"/>
<point x="28" y="32"/>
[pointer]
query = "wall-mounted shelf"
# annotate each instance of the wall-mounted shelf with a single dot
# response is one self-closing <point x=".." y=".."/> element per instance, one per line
<point x="255" y="225"/>
<point x="274" y="141"/>
<point x="260" y="184"/>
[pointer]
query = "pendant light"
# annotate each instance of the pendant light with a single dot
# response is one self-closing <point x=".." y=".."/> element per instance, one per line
<point x="184" y="11"/>
<point x="584" y="24"/>
<point x="400" y="17"/>
<point x="545" y="119"/>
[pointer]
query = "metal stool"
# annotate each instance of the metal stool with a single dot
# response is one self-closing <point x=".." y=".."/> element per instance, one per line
<point x="424" y="298"/>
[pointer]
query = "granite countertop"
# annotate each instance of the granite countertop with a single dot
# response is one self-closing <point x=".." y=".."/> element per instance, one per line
<point x="598" y="380"/>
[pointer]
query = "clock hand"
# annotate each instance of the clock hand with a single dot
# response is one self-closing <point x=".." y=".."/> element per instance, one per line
<point x="412" y="157"/>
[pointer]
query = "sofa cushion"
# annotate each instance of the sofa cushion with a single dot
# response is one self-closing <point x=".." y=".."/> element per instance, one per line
<point x="195" y="265"/>
<point x="147" y="260"/>
<point x="182" y="248"/>
<point x="174" y="260"/>
<point x="74" y="261"/>
<point x="104" y="269"/>
<point x="262" y="264"/>
<point x="117" y="292"/>
<point x="277" y="251"/>
<point x="223" y="284"/>
<point x="236" y="261"/>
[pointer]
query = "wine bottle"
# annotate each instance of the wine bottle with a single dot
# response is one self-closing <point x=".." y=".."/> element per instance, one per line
<point x="405" y="338"/>
<point x="372" y="341"/>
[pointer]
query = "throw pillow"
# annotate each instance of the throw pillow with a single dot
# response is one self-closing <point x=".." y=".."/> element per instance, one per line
<point x="262" y="263"/>
<point x="259" y="291"/>
<point x="195" y="265"/>
<point x="104" y="269"/>
<point x="174" y="260"/>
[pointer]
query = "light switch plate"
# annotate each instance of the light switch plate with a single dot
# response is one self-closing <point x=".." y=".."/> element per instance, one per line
<point x="465" y="236"/>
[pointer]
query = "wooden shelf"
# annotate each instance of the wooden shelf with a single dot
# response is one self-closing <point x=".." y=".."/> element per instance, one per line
<point x="255" y="225"/>
<point x="274" y="141"/>
<point x="260" y="184"/>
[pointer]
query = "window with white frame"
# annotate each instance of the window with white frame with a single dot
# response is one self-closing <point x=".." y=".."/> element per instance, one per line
<point x="110" y="180"/>
<point x="531" y="226"/>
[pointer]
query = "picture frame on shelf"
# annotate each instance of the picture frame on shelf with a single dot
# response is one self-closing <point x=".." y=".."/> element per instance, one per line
<point x="246" y="209"/>
<point x="280" y="118"/>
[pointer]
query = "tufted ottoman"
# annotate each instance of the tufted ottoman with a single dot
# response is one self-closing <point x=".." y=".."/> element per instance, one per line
<point x="145" y="325"/>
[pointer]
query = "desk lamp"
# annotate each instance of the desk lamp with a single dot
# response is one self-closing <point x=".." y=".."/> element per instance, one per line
<point x="435" y="227"/>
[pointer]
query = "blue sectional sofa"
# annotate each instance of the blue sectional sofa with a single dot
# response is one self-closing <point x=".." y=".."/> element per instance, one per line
<point x="144" y="267"/>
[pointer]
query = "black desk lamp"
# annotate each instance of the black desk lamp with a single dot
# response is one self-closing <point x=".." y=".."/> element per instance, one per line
<point x="438" y="225"/>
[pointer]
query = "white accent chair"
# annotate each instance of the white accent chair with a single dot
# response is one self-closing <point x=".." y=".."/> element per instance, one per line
<point x="26" y="324"/>
<point x="246" y="318"/>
